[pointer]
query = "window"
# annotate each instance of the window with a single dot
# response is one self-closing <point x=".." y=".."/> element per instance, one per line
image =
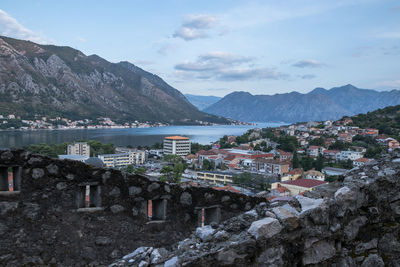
<point x="89" y="196"/>
<point x="207" y="215"/>
<point x="157" y="210"/>
<point x="10" y="179"/>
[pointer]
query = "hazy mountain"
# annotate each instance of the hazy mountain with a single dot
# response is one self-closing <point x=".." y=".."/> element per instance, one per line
<point x="202" y="102"/>
<point x="319" y="104"/>
<point x="55" y="80"/>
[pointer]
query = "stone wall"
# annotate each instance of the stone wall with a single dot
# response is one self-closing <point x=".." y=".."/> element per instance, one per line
<point x="352" y="222"/>
<point x="46" y="221"/>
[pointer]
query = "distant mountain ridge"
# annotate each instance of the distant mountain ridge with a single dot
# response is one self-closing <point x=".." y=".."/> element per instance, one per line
<point x="319" y="104"/>
<point x="202" y="102"/>
<point x="62" y="81"/>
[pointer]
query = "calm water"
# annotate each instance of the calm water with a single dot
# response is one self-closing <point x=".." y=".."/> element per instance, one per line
<point x="124" y="137"/>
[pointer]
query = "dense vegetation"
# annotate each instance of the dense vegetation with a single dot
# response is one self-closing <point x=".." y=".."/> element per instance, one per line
<point x="52" y="150"/>
<point x="386" y="120"/>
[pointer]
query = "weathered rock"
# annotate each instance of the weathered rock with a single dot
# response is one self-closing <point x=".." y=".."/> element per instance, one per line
<point x="205" y="233"/>
<point x="265" y="228"/>
<point x="373" y="260"/>
<point x="318" y="252"/>
<point x="173" y="262"/>
<point x="117" y="208"/>
<point x="61" y="186"/>
<point x="134" y="190"/>
<point x="225" y="199"/>
<point x="153" y="186"/>
<point x="37" y="173"/>
<point x="32" y="211"/>
<point x="221" y="235"/>
<point x="287" y="215"/>
<point x="186" y="199"/>
<point x="115" y="192"/>
<point x="158" y="255"/>
<point x="228" y="257"/>
<point x="52" y="169"/>
<point x="351" y="229"/>
<point x="103" y="241"/>
<point x="7" y="155"/>
<point x="6" y="207"/>
<point x="3" y="228"/>
<point x="308" y="203"/>
<point x="271" y="257"/>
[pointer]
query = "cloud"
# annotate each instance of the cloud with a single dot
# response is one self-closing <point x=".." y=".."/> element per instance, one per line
<point x="227" y="67"/>
<point x="308" y="63"/>
<point x="81" y="39"/>
<point x="213" y="61"/>
<point x="195" y="27"/>
<point x="390" y="84"/>
<point x="9" y="26"/>
<point x="250" y="74"/>
<point x="308" y="76"/>
<point x="166" y="48"/>
<point x="200" y="21"/>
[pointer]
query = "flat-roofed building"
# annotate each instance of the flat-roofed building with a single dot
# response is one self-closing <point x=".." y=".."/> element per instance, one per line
<point x="79" y="148"/>
<point x="215" y="177"/>
<point x="176" y="145"/>
<point x="123" y="159"/>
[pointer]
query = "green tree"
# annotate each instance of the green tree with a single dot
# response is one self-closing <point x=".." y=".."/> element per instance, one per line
<point x="177" y="172"/>
<point x="140" y="171"/>
<point x="295" y="161"/>
<point x="130" y="168"/>
<point x="319" y="163"/>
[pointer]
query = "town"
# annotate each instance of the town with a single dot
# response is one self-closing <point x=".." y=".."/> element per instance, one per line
<point x="272" y="162"/>
<point x="15" y="122"/>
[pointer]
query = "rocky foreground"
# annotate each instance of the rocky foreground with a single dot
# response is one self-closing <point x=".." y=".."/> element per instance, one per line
<point x="352" y="222"/>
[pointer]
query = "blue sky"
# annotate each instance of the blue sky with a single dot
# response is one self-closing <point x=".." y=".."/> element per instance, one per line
<point x="216" y="47"/>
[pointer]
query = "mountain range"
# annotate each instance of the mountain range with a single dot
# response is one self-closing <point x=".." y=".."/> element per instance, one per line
<point x="62" y="81"/>
<point x="202" y="102"/>
<point x="319" y="104"/>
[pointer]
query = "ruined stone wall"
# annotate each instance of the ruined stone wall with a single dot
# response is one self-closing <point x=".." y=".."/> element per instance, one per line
<point x="352" y="222"/>
<point x="46" y="221"/>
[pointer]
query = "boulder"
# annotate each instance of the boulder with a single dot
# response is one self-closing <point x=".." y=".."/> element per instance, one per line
<point x="205" y="233"/>
<point x="186" y="199"/>
<point x="265" y="228"/>
<point x="318" y="252"/>
<point x="116" y="208"/>
<point x="37" y="173"/>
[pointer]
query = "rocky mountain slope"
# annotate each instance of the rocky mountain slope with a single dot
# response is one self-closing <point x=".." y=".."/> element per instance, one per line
<point x="61" y="81"/>
<point x="202" y="102"/>
<point x="319" y="104"/>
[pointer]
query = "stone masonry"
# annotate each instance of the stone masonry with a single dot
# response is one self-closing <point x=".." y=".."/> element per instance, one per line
<point x="66" y="213"/>
<point x="352" y="222"/>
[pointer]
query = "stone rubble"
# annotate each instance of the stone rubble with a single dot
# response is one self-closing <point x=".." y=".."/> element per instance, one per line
<point x="354" y="221"/>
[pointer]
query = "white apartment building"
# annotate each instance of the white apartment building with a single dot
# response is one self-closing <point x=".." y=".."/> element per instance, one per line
<point x="176" y="145"/>
<point x="350" y="155"/>
<point x="79" y="148"/>
<point x="123" y="159"/>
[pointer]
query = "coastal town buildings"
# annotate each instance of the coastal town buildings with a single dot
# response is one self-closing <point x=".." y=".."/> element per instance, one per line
<point x="79" y="148"/>
<point x="176" y="145"/>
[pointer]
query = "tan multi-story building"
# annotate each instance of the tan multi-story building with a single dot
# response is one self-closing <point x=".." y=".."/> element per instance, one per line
<point x="176" y="145"/>
<point x="79" y="148"/>
<point x="215" y="177"/>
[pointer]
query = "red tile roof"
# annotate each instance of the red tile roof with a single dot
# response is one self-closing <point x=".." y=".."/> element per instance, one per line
<point x="176" y="137"/>
<point x="227" y="188"/>
<point x="282" y="189"/>
<point x="307" y="183"/>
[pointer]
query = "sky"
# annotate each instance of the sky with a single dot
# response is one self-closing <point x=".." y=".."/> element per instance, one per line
<point x="217" y="47"/>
